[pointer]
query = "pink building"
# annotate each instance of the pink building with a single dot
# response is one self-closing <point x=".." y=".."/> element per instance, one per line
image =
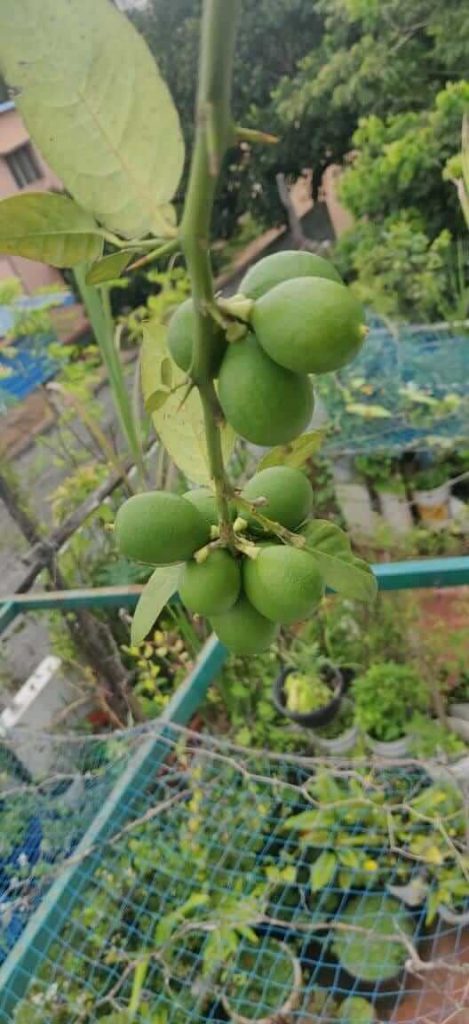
<point x="22" y="169"/>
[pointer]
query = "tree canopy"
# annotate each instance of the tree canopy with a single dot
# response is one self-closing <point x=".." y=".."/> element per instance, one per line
<point x="376" y="83"/>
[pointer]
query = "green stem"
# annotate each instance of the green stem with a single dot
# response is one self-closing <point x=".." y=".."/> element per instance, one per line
<point x="213" y="135"/>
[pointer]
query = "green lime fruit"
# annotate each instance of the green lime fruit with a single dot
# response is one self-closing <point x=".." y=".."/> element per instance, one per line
<point x="205" y="501"/>
<point x="160" y="528"/>
<point x="211" y="587"/>
<point x="309" y="325"/>
<point x="282" y="266"/>
<point x="283" y="583"/>
<point x="288" y="494"/>
<point x="265" y="403"/>
<point x="243" y="630"/>
<point x="180" y="338"/>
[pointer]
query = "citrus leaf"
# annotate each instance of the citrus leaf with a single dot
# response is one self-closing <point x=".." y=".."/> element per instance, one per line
<point x="50" y="228"/>
<point x="156" y="400"/>
<point x="368" y="412"/>
<point x="95" y="104"/>
<point x="109" y="267"/>
<point x="341" y="570"/>
<point x="166" y="372"/>
<point x="323" y="870"/>
<point x="294" y="454"/>
<point x="156" y="594"/>
<point x="179" y="424"/>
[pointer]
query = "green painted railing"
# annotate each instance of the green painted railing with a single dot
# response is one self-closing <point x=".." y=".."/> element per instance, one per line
<point x="411" y="575"/>
<point x="47" y="921"/>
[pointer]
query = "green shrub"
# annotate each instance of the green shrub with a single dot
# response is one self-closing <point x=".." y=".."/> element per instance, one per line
<point x="385" y="696"/>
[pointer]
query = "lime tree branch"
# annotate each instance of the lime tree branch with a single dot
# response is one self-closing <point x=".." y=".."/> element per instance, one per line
<point x="214" y="132"/>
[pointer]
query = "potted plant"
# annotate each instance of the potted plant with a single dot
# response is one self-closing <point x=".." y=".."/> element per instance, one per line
<point x="431" y="829"/>
<point x="262" y="982"/>
<point x="385" y="697"/>
<point x="320" y="1005"/>
<point x="431" y="491"/>
<point x="341" y="734"/>
<point x="448" y="897"/>
<point x="383" y="475"/>
<point x="428" y="738"/>
<point x="309" y="699"/>
<point x="458" y="698"/>
<point x="373" y="953"/>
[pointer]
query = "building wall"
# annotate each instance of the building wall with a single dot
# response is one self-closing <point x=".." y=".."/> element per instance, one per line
<point x="341" y="219"/>
<point x="13" y="133"/>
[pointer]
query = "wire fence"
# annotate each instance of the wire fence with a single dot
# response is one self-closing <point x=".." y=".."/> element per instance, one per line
<point x="226" y="884"/>
<point x="405" y="390"/>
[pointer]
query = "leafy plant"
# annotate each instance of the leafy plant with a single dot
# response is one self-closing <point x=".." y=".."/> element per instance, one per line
<point x="342" y="721"/>
<point x="305" y="693"/>
<point x="449" y="889"/>
<point x="430" y="478"/>
<point x="382" y="472"/>
<point x="348" y="831"/>
<point x="384" y="696"/>
<point x="262" y="978"/>
<point x="459" y="694"/>
<point x="380" y="953"/>
<point x="428" y="738"/>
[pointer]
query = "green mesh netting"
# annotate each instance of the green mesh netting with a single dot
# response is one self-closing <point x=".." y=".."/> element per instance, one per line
<point x="222" y="884"/>
<point x="407" y="389"/>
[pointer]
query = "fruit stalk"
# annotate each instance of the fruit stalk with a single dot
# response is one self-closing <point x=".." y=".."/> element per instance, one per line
<point x="212" y="137"/>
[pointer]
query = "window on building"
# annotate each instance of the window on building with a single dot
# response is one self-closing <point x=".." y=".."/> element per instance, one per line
<point x="23" y="165"/>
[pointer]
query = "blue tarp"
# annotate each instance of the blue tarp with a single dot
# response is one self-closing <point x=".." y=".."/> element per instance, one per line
<point x="30" y="365"/>
<point x="27" y="369"/>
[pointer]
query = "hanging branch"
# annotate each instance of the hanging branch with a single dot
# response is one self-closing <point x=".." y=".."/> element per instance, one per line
<point x="214" y="132"/>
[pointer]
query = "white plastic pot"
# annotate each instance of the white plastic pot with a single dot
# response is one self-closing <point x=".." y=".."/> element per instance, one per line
<point x="395" y="510"/>
<point x="452" y="917"/>
<point x="459" y="513"/>
<point x="355" y="504"/>
<point x="434" y="506"/>
<point x="456" y="774"/>
<point x="459" y="710"/>
<point x="460" y="726"/>
<point x="340" y="744"/>
<point x="389" y="748"/>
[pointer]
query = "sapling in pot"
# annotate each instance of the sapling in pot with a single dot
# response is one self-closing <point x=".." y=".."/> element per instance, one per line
<point x="371" y="947"/>
<point x="262" y="982"/>
<point x="385" y="697"/>
<point x="309" y="699"/>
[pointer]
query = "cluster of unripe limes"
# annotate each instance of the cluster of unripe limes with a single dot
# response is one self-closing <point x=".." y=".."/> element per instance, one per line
<point x="245" y="598"/>
<point x="298" y="318"/>
<point x="301" y="320"/>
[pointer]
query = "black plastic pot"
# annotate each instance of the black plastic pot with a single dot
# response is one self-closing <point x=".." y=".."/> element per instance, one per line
<point x="323" y="715"/>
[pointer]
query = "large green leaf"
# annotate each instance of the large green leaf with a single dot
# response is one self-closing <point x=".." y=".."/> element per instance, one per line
<point x="156" y="594"/>
<point x="95" y="104"/>
<point x="296" y="453"/>
<point x="178" y="422"/>
<point x="50" y="228"/>
<point x="341" y="570"/>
